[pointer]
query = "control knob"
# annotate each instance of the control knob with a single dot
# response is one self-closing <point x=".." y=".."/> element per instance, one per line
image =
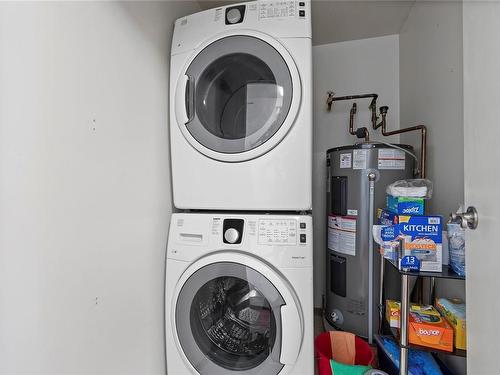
<point x="231" y="235"/>
<point x="233" y="16"/>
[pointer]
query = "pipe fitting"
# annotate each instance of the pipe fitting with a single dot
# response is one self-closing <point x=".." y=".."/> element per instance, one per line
<point x="329" y="100"/>
<point x="423" y="137"/>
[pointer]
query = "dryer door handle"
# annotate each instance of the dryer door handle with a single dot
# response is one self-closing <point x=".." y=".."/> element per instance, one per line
<point x="291" y="334"/>
<point x="184" y="100"/>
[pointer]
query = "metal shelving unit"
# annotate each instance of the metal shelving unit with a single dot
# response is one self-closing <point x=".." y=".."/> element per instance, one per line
<point x="402" y="335"/>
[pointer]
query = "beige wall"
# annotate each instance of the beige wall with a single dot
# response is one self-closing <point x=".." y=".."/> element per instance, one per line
<point x="84" y="185"/>
<point x="354" y="67"/>
<point x="431" y="89"/>
<point x="430" y="46"/>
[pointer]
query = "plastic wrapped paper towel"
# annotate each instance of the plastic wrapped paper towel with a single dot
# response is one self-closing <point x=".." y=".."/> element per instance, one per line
<point x="413" y="188"/>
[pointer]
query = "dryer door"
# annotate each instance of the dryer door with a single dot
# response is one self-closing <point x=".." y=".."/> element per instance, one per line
<point x="230" y="318"/>
<point x="238" y="97"/>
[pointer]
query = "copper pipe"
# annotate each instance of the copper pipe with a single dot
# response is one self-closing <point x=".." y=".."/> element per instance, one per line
<point x="359" y="132"/>
<point x="383" y="113"/>
<point x="372" y="107"/>
<point x="423" y="137"/>
<point x="333" y="98"/>
<point x="351" y="119"/>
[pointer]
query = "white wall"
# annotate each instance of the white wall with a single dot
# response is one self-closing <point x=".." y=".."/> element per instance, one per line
<point x="430" y="45"/>
<point x="354" y="67"/>
<point x="84" y="185"/>
<point x="431" y="87"/>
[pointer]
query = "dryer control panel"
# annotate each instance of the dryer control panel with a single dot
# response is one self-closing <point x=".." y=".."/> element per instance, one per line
<point x="276" y="18"/>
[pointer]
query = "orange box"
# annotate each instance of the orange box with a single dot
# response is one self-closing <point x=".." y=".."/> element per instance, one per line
<point x="427" y="328"/>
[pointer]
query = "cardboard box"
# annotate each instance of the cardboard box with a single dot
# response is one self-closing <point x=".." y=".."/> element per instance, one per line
<point x="427" y="328"/>
<point x="418" y="236"/>
<point x="405" y="206"/>
<point x="453" y="311"/>
<point x="393" y="312"/>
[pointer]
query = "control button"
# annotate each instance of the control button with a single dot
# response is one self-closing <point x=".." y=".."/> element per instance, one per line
<point x="302" y="238"/>
<point x="302" y="13"/>
<point x="302" y="4"/>
<point x="232" y="230"/>
<point x="302" y="225"/>
<point x="231" y="235"/>
<point x="233" y="15"/>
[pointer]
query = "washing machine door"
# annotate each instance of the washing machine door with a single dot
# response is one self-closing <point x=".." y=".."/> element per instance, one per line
<point x="230" y="318"/>
<point x="238" y="97"/>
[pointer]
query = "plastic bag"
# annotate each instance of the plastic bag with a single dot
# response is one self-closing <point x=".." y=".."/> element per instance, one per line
<point x="411" y="188"/>
<point x="456" y="248"/>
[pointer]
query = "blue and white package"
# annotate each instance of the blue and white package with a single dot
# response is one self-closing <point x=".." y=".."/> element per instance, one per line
<point x="456" y="248"/>
<point x="418" y="236"/>
<point x="405" y="206"/>
<point x="390" y="245"/>
<point x="423" y="238"/>
<point x="386" y="217"/>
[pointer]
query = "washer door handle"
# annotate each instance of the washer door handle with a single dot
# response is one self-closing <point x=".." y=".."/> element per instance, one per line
<point x="184" y="100"/>
<point x="291" y="334"/>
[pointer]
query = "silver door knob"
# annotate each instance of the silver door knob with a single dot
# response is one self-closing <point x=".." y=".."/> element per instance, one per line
<point x="231" y="235"/>
<point x="468" y="219"/>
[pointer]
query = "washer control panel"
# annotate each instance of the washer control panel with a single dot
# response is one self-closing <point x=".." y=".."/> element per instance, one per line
<point x="291" y="231"/>
<point x="277" y="231"/>
<point x="283" y="240"/>
<point x="277" y="9"/>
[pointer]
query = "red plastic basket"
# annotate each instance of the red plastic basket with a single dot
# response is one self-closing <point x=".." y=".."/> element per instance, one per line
<point x="322" y="344"/>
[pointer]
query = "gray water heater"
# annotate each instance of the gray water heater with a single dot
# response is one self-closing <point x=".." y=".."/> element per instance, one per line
<point x="348" y="209"/>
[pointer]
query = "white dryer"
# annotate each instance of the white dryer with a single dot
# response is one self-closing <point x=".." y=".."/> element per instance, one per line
<point x="241" y="116"/>
<point x="239" y="295"/>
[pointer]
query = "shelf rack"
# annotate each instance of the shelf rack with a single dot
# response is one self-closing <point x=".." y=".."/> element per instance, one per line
<point x="402" y="335"/>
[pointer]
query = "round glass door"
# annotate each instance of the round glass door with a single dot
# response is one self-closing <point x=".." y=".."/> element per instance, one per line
<point x="238" y="95"/>
<point x="228" y="320"/>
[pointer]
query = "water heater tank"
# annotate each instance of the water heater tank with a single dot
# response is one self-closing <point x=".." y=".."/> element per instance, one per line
<point x="348" y="229"/>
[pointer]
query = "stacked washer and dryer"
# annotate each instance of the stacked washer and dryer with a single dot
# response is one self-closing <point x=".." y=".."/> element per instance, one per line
<point x="239" y="294"/>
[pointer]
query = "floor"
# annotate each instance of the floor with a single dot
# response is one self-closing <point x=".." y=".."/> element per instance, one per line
<point x="318" y="328"/>
<point x="318" y="322"/>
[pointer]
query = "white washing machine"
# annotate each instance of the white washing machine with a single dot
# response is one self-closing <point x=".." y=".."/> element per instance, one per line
<point x="241" y="116"/>
<point x="239" y="295"/>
